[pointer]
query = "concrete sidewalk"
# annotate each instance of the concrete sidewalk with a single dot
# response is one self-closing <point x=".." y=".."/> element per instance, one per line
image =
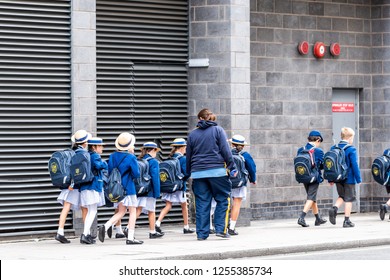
<point x="262" y="238"/>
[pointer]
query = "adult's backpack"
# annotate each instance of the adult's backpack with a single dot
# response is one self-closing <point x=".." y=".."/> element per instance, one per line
<point x="335" y="166"/>
<point x="171" y="177"/>
<point x="242" y="173"/>
<point x="59" y="168"/>
<point x="380" y="169"/>
<point x="143" y="184"/>
<point x="80" y="168"/>
<point x="305" y="167"/>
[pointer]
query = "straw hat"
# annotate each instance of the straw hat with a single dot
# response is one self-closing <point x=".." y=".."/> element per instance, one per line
<point x="179" y="142"/>
<point x="81" y="136"/>
<point x="95" y="141"/>
<point x="125" y="141"/>
<point x="150" y="145"/>
<point x="238" y="140"/>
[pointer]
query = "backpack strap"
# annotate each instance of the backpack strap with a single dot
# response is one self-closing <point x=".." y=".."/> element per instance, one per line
<point x="121" y="161"/>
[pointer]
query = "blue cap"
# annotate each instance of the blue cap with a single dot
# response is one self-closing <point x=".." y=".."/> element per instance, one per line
<point x="316" y="133"/>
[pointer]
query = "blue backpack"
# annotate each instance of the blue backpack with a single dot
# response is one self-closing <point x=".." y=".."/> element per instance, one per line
<point x="80" y="168"/>
<point x="335" y="166"/>
<point x="59" y="168"/>
<point x="380" y="169"/>
<point x="242" y="174"/>
<point x="113" y="189"/>
<point x="305" y="167"/>
<point x="143" y="184"/>
<point x="171" y="177"/>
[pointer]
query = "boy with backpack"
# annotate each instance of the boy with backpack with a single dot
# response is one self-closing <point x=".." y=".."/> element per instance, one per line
<point x="175" y="196"/>
<point x="246" y="170"/>
<point x="346" y="187"/>
<point x="315" y="158"/>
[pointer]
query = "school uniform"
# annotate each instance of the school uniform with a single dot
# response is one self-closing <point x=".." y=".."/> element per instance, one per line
<point x="312" y="188"/>
<point x="178" y="197"/>
<point x="346" y="189"/>
<point x="92" y="192"/>
<point x="128" y="167"/>
<point x="148" y="202"/>
<point x="71" y="196"/>
<point x="250" y="165"/>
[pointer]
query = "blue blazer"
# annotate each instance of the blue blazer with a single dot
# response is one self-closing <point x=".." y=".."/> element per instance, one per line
<point x="351" y="159"/>
<point x="128" y="169"/>
<point x="250" y="165"/>
<point x="318" y="158"/>
<point x="154" y="172"/>
<point x="183" y="162"/>
<point x="97" y="165"/>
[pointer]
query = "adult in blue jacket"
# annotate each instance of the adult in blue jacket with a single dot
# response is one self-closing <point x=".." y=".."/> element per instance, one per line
<point x="314" y="141"/>
<point x="208" y="157"/>
<point x="347" y="189"/>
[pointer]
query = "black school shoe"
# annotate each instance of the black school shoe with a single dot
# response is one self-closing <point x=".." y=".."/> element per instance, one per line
<point x="382" y="211"/>
<point x="332" y="215"/>
<point x="120" y="235"/>
<point x="348" y="224"/>
<point x="320" y="221"/>
<point x="158" y="229"/>
<point x="61" y="238"/>
<point x="109" y="232"/>
<point x="188" y="230"/>
<point x="232" y="232"/>
<point x="302" y="222"/>
<point x="134" y="242"/>
<point x="102" y="233"/>
<point x="155" y="235"/>
<point x="86" y="239"/>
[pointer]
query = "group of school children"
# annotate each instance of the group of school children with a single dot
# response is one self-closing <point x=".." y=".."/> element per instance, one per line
<point x="89" y="196"/>
<point x="346" y="188"/>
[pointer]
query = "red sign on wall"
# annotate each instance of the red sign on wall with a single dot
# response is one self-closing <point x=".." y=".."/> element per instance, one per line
<point x="343" y="107"/>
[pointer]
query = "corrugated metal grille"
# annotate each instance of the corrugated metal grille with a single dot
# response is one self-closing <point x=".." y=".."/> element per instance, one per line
<point x="142" y="53"/>
<point x="35" y="111"/>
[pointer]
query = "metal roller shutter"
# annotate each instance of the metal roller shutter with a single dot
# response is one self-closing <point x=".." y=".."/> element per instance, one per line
<point x="35" y="111"/>
<point x="142" y="55"/>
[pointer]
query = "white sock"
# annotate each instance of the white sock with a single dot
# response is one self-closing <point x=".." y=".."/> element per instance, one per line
<point x="232" y="224"/>
<point x="119" y="230"/>
<point x="158" y="223"/>
<point x="92" y="210"/>
<point x="130" y="235"/>
<point x="186" y="226"/>
<point x="107" y="225"/>
<point x="60" y="231"/>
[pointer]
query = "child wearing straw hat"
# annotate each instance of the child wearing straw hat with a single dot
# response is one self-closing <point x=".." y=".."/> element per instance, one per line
<point x="125" y="160"/>
<point x="239" y="194"/>
<point x="91" y="194"/>
<point x="178" y="197"/>
<point x="70" y="197"/>
<point x="147" y="204"/>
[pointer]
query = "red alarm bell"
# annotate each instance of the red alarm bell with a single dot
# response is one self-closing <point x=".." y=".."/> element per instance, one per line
<point x="335" y="49"/>
<point x="319" y="49"/>
<point x="303" y="47"/>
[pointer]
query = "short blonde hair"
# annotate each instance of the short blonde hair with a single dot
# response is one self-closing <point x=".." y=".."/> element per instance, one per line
<point x="347" y="132"/>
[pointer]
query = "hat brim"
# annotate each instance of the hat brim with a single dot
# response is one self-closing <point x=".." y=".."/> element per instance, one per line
<point x="86" y="140"/>
<point x="158" y="149"/>
<point x="175" y="145"/>
<point x="237" y="143"/>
